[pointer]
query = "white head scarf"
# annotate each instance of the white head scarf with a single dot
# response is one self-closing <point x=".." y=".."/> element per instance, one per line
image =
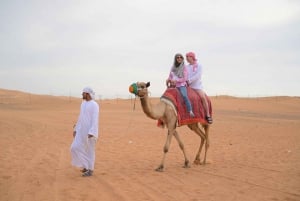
<point x="90" y="91"/>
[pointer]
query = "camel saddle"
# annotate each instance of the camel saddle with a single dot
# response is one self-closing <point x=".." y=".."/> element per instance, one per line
<point x="173" y="96"/>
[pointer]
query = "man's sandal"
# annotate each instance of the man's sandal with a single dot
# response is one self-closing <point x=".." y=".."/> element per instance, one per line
<point x="83" y="170"/>
<point x="209" y="120"/>
<point x="87" y="173"/>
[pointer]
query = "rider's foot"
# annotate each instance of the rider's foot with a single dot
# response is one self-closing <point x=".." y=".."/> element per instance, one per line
<point x="192" y="114"/>
<point x="209" y="119"/>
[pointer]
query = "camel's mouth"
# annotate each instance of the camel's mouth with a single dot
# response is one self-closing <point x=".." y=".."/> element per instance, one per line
<point x="133" y="89"/>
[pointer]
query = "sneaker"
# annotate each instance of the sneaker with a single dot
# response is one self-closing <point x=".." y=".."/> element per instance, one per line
<point x="192" y="114"/>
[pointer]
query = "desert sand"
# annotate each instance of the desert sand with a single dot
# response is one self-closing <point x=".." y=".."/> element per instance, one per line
<point x="254" y="152"/>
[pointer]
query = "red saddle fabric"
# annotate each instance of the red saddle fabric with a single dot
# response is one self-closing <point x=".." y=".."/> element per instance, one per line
<point x="183" y="116"/>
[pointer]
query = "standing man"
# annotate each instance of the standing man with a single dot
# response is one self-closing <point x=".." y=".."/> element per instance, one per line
<point x="86" y="133"/>
<point x="195" y="82"/>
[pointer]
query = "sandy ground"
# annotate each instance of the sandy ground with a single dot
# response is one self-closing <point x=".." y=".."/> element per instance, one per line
<point x="254" y="152"/>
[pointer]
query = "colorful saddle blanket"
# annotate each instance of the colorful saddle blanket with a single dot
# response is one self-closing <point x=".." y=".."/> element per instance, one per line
<point x="173" y="95"/>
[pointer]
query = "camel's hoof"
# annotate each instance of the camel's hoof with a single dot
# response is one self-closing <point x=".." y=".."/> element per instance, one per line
<point x="160" y="169"/>
<point x="197" y="162"/>
<point x="186" y="164"/>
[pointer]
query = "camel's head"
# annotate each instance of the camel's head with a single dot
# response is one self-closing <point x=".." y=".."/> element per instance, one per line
<point x="139" y="88"/>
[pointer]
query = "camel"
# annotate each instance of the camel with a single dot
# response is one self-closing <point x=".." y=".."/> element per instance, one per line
<point x="165" y="112"/>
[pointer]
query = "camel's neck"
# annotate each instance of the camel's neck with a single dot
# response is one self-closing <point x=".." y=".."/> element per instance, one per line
<point x="147" y="108"/>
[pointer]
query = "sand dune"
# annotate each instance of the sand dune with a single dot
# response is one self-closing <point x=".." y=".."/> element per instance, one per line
<point x="254" y="152"/>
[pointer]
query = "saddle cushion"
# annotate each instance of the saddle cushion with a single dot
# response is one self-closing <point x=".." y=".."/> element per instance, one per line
<point x="173" y="95"/>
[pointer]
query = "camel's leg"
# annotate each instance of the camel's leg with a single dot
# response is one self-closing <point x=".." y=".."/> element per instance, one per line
<point x="206" y="128"/>
<point x="160" y="168"/>
<point x="197" y="160"/>
<point x="186" y="161"/>
<point x="202" y="136"/>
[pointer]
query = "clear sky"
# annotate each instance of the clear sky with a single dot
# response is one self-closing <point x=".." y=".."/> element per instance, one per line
<point x="247" y="48"/>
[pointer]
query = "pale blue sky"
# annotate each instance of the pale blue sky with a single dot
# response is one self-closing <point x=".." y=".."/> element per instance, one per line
<point x="247" y="48"/>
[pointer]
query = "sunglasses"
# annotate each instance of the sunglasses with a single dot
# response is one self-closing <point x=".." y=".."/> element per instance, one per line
<point x="179" y="57"/>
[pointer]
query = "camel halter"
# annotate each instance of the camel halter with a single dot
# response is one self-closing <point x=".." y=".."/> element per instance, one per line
<point x="134" y="89"/>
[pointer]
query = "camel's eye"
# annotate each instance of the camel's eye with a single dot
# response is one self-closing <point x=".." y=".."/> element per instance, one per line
<point x="142" y="87"/>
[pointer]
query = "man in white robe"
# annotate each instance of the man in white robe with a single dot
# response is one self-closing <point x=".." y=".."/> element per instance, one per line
<point x="86" y="134"/>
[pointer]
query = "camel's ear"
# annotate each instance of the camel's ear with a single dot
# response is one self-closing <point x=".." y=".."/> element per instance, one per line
<point x="148" y="84"/>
